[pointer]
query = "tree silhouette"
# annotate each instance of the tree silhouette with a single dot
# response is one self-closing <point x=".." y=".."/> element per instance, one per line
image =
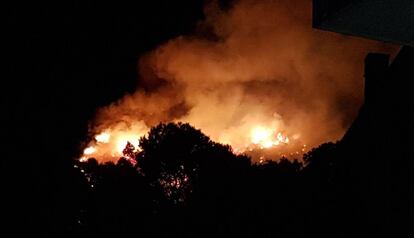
<point x="184" y="184"/>
<point x="176" y="155"/>
<point x="169" y="157"/>
<point x="320" y="154"/>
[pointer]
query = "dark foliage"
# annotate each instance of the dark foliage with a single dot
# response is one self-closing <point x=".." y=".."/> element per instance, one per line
<point x="185" y="185"/>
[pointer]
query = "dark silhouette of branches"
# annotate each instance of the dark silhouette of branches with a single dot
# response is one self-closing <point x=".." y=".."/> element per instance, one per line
<point x="183" y="184"/>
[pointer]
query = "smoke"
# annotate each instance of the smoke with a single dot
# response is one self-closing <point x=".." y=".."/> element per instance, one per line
<point x="258" y="63"/>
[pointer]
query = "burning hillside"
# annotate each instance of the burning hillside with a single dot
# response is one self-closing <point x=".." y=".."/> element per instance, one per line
<point x="112" y="143"/>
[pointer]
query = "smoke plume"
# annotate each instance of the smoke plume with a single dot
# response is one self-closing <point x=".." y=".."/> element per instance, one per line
<point x="257" y="64"/>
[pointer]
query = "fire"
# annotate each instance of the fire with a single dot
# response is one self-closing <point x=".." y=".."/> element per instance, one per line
<point x="103" y="137"/>
<point x="89" y="150"/>
<point x="109" y="144"/>
<point x="112" y="146"/>
<point x="123" y="140"/>
<point x="266" y="94"/>
<point x="267" y="137"/>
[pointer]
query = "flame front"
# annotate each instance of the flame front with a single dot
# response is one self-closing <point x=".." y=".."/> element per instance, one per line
<point x="103" y="137"/>
<point x="267" y="137"/>
<point x="89" y="150"/>
<point x="109" y="144"/>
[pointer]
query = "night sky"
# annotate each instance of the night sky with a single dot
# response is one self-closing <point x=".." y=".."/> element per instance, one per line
<point x="63" y="61"/>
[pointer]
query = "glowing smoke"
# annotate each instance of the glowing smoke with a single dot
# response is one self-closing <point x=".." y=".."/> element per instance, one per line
<point x="257" y="66"/>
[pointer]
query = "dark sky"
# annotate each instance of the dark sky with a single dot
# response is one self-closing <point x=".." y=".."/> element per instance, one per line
<point x="63" y="61"/>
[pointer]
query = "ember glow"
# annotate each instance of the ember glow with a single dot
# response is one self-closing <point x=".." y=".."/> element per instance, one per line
<point x="267" y="137"/>
<point x="109" y="144"/>
<point x="89" y="150"/>
<point x="266" y="81"/>
<point x="103" y="137"/>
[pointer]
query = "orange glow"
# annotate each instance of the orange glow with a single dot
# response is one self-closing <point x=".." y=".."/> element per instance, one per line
<point x="123" y="140"/>
<point x="265" y="86"/>
<point x="89" y="150"/>
<point x="246" y="138"/>
<point x="110" y="142"/>
<point x="267" y="137"/>
<point x="103" y="137"/>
